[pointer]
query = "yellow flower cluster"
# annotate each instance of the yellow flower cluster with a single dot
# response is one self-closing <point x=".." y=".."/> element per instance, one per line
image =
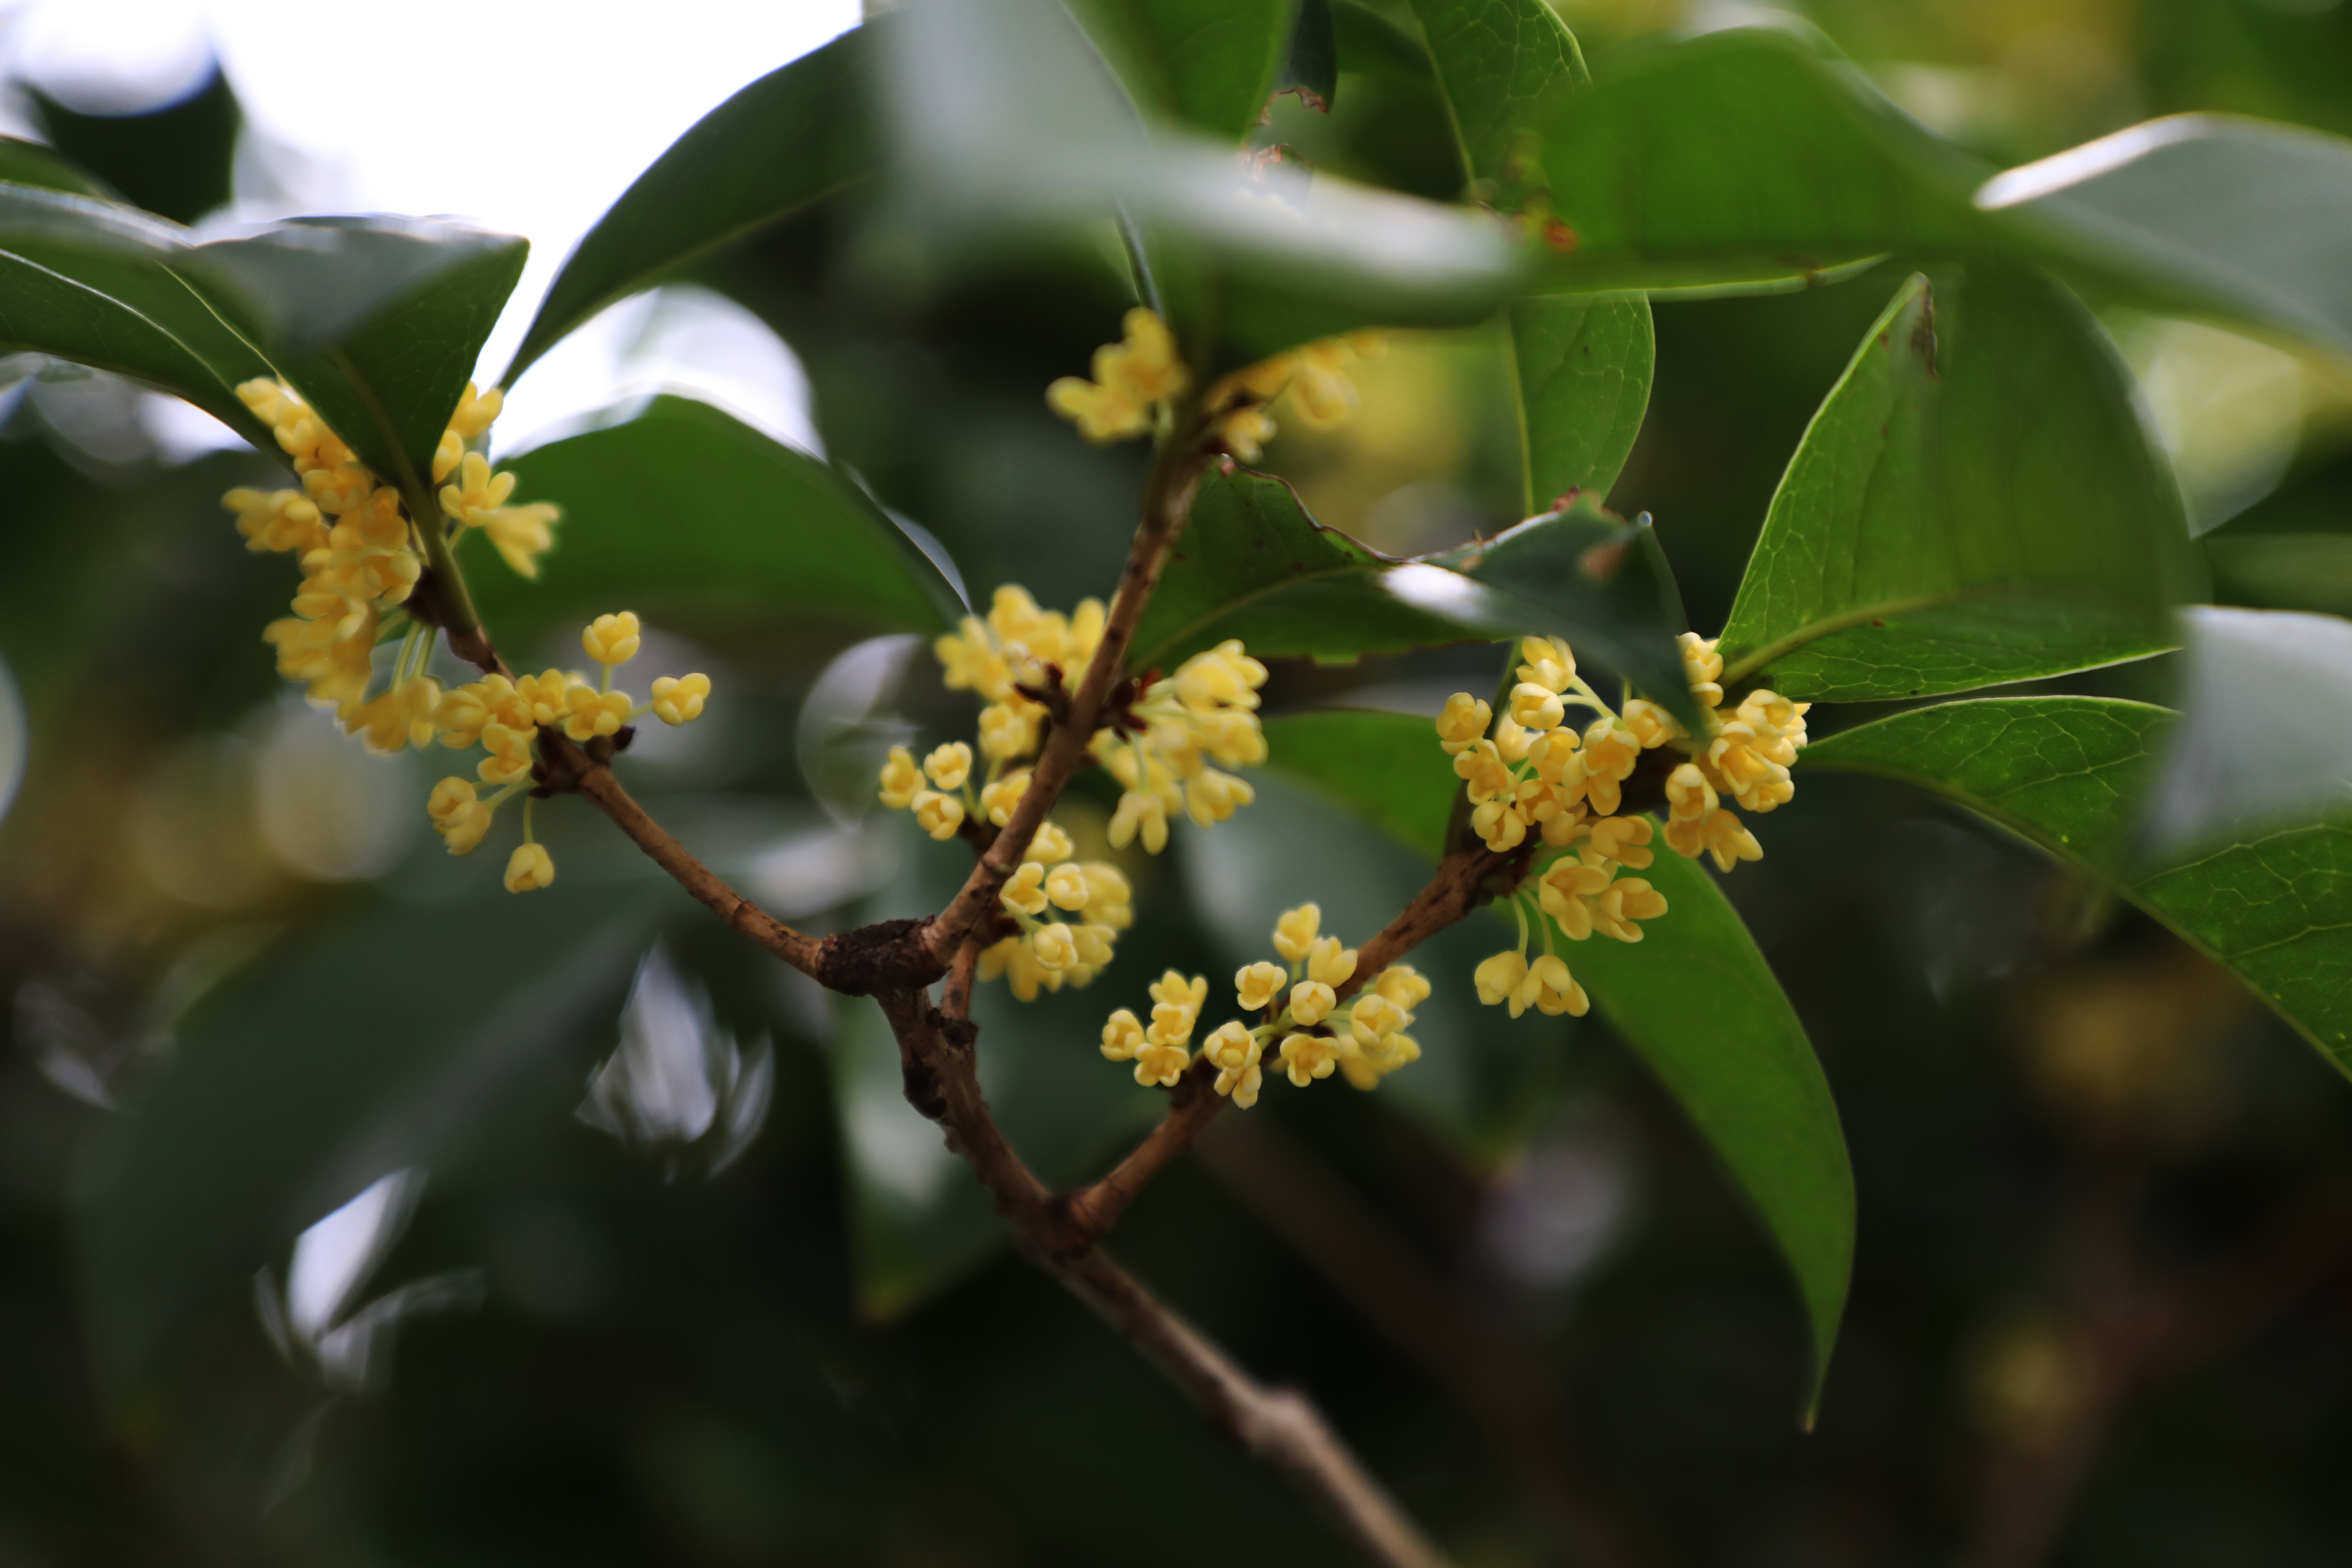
<point x="1133" y="379"/>
<point x="360" y="558"/>
<point x="1069" y="912"/>
<point x="1538" y="773"/>
<point x="1296" y="1000"/>
<point x="1315" y="377"/>
<point x="504" y="718"/>
<point x="1013" y="660"/>
<point x="1160" y="746"/>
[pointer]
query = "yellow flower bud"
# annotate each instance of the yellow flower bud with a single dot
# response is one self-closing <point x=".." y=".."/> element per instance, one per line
<point x="1049" y="846"/>
<point x="1000" y="798"/>
<point x="1549" y="663"/>
<point x="950" y="765"/>
<point x="1026" y="890"/>
<point x="1499" y="977"/>
<point x="678" y="699"/>
<point x="595" y="713"/>
<point x="458" y="815"/>
<point x="938" y="814"/>
<point x="612" y="639"/>
<point x="1535" y="706"/>
<point x="1499" y="824"/>
<point x="1213" y="797"/>
<point x="1161" y="1064"/>
<point x="1066" y="887"/>
<point x="1329" y="963"/>
<point x="1174" y="989"/>
<point x="1295" y="931"/>
<point x="528" y="868"/>
<point x="1055" y="946"/>
<point x="1233" y="1051"/>
<point x="1309" y="1056"/>
<point x="1311" y="1002"/>
<point x="508" y="760"/>
<point x="475" y="411"/>
<point x="1402" y="985"/>
<point x="900" y="779"/>
<point x="1006" y="732"/>
<point x="1373" y="1018"/>
<point x="1122" y="1036"/>
<point x="1143" y="816"/>
<point x="1551" y="990"/>
<point x="1462" y="724"/>
<point x="1255" y="985"/>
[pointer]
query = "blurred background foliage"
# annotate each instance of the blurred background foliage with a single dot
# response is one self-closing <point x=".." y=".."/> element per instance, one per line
<point x="2101" y="1311"/>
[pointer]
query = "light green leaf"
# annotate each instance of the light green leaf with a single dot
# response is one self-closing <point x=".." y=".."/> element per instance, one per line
<point x="90" y="281"/>
<point x="687" y="503"/>
<point x="1976" y="502"/>
<point x="1694" y="998"/>
<point x="1583" y="364"/>
<point x="366" y="1048"/>
<point x="1745" y="157"/>
<point x="2074" y="773"/>
<point x="1210" y="64"/>
<point x="1503" y="66"/>
<point x="1013" y="129"/>
<point x="1253" y="564"/>
<point x="791" y="139"/>
<point x="2215" y="212"/>
<point x="27" y="163"/>
<point x="376" y="321"/>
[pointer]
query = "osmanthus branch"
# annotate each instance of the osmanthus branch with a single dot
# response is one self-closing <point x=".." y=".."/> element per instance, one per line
<point x="1167" y="499"/>
<point x="1451" y="894"/>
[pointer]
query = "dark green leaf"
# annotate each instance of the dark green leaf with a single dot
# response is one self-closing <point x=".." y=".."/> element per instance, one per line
<point x="1371" y="45"/>
<point x="1583" y="363"/>
<point x="1975" y="503"/>
<point x="2072" y="774"/>
<point x="2216" y="212"/>
<point x="1210" y="64"/>
<point x="30" y="163"/>
<point x="1504" y="67"/>
<point x="1699" y="1003"/>
<point x="1378" y="764"/>
<point x="1694" y="997"/>
<point x="2283" y="571"/>
<point x="1745" y="157"/>
<point x="90" y="281"/>
<point x="373" y="1045"/>
<point x="1311" y="69"/>
<point x="1253" y="564"/>
<point x="376" y="321"/>
<point x="687" y="503"/>
<point x="791" y="138"/>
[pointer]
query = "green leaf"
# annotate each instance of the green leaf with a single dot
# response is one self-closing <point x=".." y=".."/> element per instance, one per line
<point x="1503" y="66"/>
<point x="1975" y="503"/>
<point x="31" y="163"/>
<point x="791" y="139"/>
<point x="2283" y="571"/>
<point x="687" y="502"/>
<point x="1253" y="564"/>
<point x="91" y="282"/>
<point x="1583" y="364"/>
<point x="1013" y="129"/>
<point x="1371" y="45"/>
<point x="2212" y="211"/>
<point x="1378" y="764"/>
<point x="1697" y="1000"/>
<point x="376" y="321"/>
<point x="1311" y="69"/>
<point x="1745" y="157"/>
<point x="1694" y="998"/>
<point x="369" y="1046"/>
<point x="2072" y="773"/>
<point x="1210" y="64"/>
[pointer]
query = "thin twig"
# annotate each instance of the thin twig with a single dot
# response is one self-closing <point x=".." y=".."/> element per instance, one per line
<point x="1451" y="894"/>
<point x="1168" y="497"/>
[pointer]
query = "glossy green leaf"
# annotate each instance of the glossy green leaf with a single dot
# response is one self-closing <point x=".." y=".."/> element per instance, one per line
<point x="1583" y="364"/>
<point x="1975" y="503"/>
<point x="90" y="281"/>
<point x="1253" y="564"/>
<point x="364" y="1047"/>
<point x="376" y="321"/>
<point x="686" y="502"/>
<point x="2073" y="775"/>
<point x="27" y="163"/>
<point x="1013" y="128"/>
<point x="1700" y="1004"/>
<point x="1694" y="998"/>
<point x="1208" y="64"/>
<point x="1504" y="66"/>
<point x="1745" y="157"/>
<point x="791" y="139"/>
<point x="2219" y="213"/>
